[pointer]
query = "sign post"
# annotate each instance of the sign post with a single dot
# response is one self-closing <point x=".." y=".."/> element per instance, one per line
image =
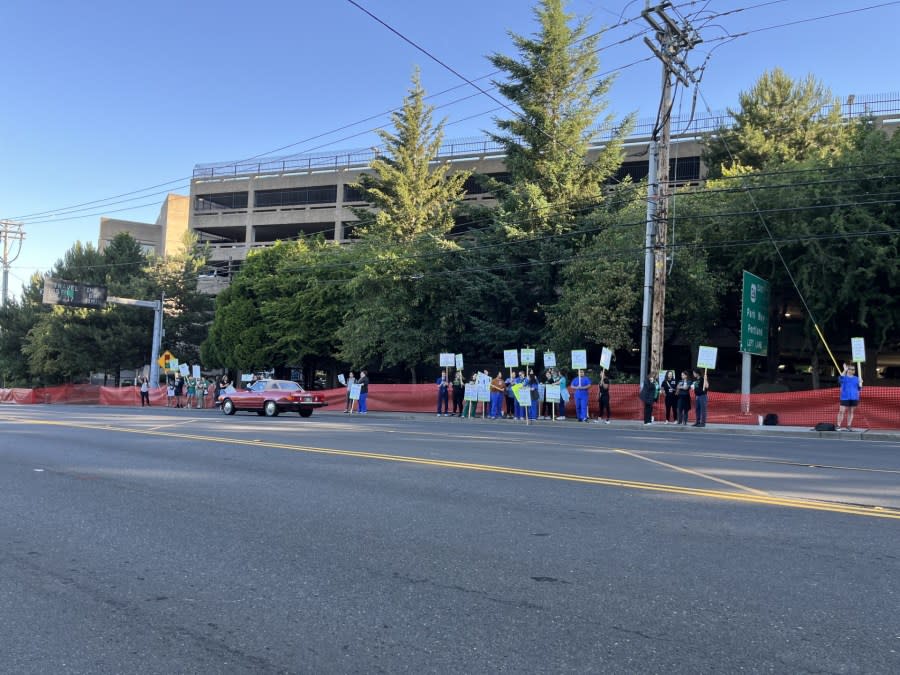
<point x="754" y="329"/>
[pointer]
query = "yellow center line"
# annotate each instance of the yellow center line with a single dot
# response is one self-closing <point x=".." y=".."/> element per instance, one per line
<point x="761" y="499"/>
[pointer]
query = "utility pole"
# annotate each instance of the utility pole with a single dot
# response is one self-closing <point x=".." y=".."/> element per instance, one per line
<point x="672" y="44"/>
<point x="9" y="232"/>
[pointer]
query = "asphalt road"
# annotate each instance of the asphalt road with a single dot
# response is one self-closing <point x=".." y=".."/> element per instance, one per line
<point x="179" y="541"/>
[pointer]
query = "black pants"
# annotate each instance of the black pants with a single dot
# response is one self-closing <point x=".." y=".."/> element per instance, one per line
<point x="458" y="394"/>
<point x="604" y="407"/>
<point x="648" y="413"/>
<point x="145" y="396"/>
<point x="671" y="408"/>
<point x="510" y="406"/>
<point x="684" y="409"/>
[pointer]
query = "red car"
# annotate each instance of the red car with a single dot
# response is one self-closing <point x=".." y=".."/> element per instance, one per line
<point x="270" y="397"/>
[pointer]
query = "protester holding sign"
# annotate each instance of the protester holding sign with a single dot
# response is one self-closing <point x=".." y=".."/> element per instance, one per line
<point x="520" y="411"/>
<point x="850" y="388"/>
<point x="351" y="380"/>
<point x="459" y="392"/>
<point x="443" y="389"/>
<point x="498" y="389"/>
<point x="363" y="383"/>
<point x="603" y="386"/>
<point x="510" y="396"/>
<point x="581" y="385"/>
<point x="534" y="390"/>
<point x="547" y="407"/>
<point x="701" y="386"/>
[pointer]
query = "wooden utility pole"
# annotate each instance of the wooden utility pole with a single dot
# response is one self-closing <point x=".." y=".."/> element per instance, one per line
<point x="672" y="44"/>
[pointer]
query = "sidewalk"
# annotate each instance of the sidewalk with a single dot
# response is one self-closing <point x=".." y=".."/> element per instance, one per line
<point x="656" y="427"/>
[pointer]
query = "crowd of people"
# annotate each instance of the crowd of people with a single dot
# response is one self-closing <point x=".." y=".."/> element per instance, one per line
<point x="188" y="392"/>
<point x="680" y="396"/>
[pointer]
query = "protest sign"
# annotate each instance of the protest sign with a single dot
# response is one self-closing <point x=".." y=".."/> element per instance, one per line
<point x="579" y="358"/>
<point x="459" y="361"/>
<point x="605" y="358"/>
<point x="447" y="360"/>
<point x="195" y="371"/>
<point x="706" y="357"/>
<point x="527" y="357"/>
<point x="858" y="346"/>
<point x="510" y="358"/>
<point x="552" y="392"/>
<point x="471" y="392"/>
<point x="355" y="391"/>
<point x="549" y="359"/>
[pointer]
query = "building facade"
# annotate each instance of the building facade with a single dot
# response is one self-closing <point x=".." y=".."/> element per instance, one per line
<point x="238" y="206"/>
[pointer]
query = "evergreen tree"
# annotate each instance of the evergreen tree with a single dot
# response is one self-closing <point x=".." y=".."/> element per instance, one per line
<point x="398" y="313"/>
<point x="779" y="120"/>
<point x="557" y="174"/>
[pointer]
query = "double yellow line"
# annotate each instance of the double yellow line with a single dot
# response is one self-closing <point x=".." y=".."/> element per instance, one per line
<point x="757" y="497"/>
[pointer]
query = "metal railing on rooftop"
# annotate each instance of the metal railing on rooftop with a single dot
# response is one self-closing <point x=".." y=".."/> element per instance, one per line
<point x="854" y="106"/>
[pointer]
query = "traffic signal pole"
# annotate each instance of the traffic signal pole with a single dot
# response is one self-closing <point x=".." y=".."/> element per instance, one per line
<point x="157" y="307"/>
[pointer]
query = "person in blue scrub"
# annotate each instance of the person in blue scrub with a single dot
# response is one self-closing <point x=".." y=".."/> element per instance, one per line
<point x="443" y="390"/>
<point x="582" y="385"/>
<point x="363" y="383"/>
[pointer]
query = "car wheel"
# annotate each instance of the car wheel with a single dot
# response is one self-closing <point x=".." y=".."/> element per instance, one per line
<point x="228" y="407"/>
<point x="305" y="412"/>
<point x="271" y="409"/>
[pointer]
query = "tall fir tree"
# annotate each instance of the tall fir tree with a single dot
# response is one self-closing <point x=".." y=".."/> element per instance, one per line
<point x="399" y="312"/>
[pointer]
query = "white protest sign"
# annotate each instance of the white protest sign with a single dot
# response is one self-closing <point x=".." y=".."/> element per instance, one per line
<point x="605" y="358"/>
<point x="471" y="392"/>
<point x="483" y="390"/>
<point x="510" y="358"/>
<point x="246" y="377"/>
<point x="858" y="346"/>
<point x="549" y="359"/>
<point x="527" y="357"/>
<point x="183" y="369"/>
<point x="552" y="392"/>
<point x="459" y="361"/>
<point x="173" y="364"/>
<point x="195" y="371"/>
<point x="447" y="360"/>
<point x="706" y="357"/>
<point x="579" y="358"/>
<point x="355" y="390"/>
<point x="342" y="379"/>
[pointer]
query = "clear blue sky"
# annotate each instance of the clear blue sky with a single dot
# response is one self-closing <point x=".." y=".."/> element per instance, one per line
<point x="105" y="98"/>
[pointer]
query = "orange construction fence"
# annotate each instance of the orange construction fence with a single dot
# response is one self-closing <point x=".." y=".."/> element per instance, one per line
<point x="879" y="407"/>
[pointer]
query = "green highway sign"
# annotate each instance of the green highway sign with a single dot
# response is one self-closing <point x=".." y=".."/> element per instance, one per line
<point x="755" y="315"/>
